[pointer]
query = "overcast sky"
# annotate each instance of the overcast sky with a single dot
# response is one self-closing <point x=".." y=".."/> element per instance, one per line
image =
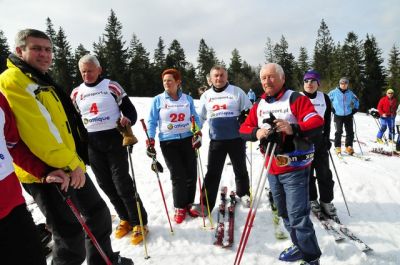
<point x="224" y="24"/>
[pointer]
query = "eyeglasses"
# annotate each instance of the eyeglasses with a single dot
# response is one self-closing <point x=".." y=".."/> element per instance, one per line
<point x="390" y="93"/>
<point x="344" y="83"/>
<point x="309" y="80"/>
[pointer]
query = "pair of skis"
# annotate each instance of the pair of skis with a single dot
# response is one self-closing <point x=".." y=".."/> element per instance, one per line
<point x="382" y="151"/>
<point x="279" y="232"/>
<point x="220" y="231"/>
<point x="341" y="157"/>
<point x="339" y="231"/>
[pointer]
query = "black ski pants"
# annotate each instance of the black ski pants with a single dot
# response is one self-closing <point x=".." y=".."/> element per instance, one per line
<point x="19" y="240"/>
<point x="180" y="158"/>
<point x="347" y="122"/>
<point x="218" y="149"/>
<point x="323" y="176"/>
<point x="109" y="162"/>
<point x="70" y="245"/>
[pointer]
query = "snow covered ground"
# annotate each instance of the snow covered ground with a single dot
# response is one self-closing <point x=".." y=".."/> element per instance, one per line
<point x="371" y="189"/>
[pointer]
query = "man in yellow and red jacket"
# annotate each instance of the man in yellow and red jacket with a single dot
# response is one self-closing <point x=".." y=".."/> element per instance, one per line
<point x="287" y="118"/>
<point x="53" y="131"/>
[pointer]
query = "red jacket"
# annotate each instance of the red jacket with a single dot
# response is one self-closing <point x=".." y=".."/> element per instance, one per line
<point x="309" y="123"/>
<point x="387" y="106"/>
<point x="13" y="150"/>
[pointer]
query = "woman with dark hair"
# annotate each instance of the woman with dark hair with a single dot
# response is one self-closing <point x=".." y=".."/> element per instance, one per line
<point x="171" y="112"/>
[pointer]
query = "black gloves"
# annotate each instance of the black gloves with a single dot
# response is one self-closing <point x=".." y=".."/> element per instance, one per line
<point x="150" y="151"/>
<point x="157" y="167"/>
<point x="273" y="136"/>
<point x="354" y="111"/>
<point x="375" y="114"/>
<point x="243" y="115"/>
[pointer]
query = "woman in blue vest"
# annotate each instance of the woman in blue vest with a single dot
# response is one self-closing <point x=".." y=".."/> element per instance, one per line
<point x="171" y="112"/>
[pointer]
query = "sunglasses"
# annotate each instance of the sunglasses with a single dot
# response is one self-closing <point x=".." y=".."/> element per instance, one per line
<point x="306" y="81"/>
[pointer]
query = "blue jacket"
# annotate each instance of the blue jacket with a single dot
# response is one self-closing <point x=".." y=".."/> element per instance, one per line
<point x="154" y="118"/>
<point x="343" y="102"/>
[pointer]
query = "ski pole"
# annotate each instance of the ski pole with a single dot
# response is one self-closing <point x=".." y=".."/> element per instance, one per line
<point x="205" y="190"/>
<point x="202" y="174"/>
<point x="378" y="123"/>
<point x="201" y="195"/>
<point x="340" y="185"/>
<point x="85" y="227"/>
<point x="253" y="208"/>
<point x="198" y="174"/>
<point x="158" y="177"/>
<point x="355" y="131"/>
<point x="251" y="173"/>
<point x="146" y="255"/>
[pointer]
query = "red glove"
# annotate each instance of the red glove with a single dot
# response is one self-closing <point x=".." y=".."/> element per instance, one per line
<point x="196" y="140"/>
<point x="151" y="151"/>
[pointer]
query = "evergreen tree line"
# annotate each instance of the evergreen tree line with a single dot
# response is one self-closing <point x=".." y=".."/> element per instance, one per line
<point x="130" y="65"/>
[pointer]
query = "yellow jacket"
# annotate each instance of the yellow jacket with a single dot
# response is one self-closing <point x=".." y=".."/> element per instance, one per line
<point x="41" y="121"/>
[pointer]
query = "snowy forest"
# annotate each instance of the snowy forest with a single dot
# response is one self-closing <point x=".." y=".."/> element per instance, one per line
<point x="131" y="65"/>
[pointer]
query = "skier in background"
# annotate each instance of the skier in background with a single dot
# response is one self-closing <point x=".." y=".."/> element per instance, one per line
<point x="322" y="144"/>
<point x="344" y="105"/>
<point x="252" y="96"/>
<point x="387" y="112"/>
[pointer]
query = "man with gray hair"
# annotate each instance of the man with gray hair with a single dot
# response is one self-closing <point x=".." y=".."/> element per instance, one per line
<point x="52" y="129"/>
<point x="105" y="109"/>
<point x="287" y="118"/>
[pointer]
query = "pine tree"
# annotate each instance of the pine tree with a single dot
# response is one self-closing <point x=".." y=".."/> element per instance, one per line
<point x="251" y="79"/>
<point x="300" y="68"/>
<point x="80" y="51"/>
<point x="190" y="82"/>
<point x="99" y="50"/>
<point x="52" y="35"/>
<point x="303" y="62"/>
<point x="63" y="62"/>
<point x="176" y="56"/>
<point x="323" y="60"/>
<point x="269" y="52"/>
<point x="393" y="72"/>
<point x="114" y="52"/>
<point x="353" y="63"/>
<point x="374" y="78"/>
<point x="159" y="54"/>
<point x="338" y="66"/>
<point x="158" y="64"/>
<point x="235" y="67"/>
<point x="140" y="79"/>
<point x="286" y="60"/>
<point x="4" y="51"/>
<point x="50" y="30"/>
<point x="206" y="61"/>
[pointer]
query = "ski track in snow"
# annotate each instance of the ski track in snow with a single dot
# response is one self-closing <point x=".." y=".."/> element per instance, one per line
<point x="371" y="189"/>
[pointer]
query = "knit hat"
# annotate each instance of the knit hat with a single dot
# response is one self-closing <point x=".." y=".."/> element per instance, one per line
<point x="344" y="80"/>
<point x="389" y="91"/>
<point x="312" y="74"/>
